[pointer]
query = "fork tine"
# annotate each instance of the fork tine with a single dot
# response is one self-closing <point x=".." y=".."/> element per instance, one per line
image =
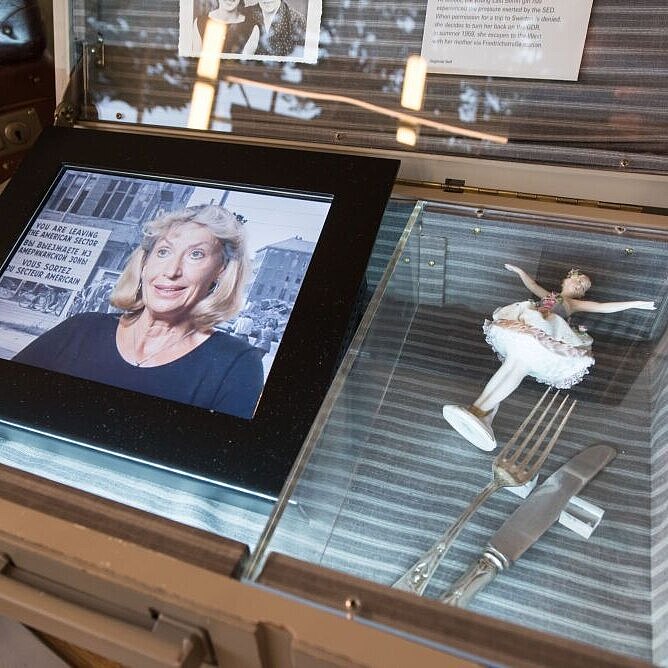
<point x="539" y="441"/>
<point x="546" y="451"/>
<point x="513" y="439"/>
<point x="531" y="433"/>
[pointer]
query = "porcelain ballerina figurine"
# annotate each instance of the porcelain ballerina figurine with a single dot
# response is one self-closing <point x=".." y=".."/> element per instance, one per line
<point x="533" y="339"/>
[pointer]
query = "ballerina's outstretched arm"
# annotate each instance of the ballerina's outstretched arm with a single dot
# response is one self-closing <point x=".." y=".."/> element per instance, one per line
<point x="528" y="281"/>
<point x="609" y="307"/>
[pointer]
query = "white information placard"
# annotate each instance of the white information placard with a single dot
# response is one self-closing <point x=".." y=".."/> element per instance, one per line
<point x="529" y="39"/>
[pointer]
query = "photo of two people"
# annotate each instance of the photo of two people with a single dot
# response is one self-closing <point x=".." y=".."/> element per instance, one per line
<point x="253" y="29"/>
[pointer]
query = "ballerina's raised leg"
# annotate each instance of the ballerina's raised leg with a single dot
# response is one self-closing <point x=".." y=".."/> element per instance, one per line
<point x="474" y="422"/>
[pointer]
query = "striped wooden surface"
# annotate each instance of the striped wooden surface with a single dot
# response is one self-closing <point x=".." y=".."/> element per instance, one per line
<point x="615" y="111"/>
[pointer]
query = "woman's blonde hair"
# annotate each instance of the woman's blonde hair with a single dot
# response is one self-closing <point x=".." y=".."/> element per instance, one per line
<point x="226" y="298"/>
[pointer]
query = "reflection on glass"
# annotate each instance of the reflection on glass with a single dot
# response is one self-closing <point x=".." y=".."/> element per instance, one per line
<point x="212" y="45"/>
<point x="614" y="111"/>
<point x="345" y="99"/>
<point x="207" y="68"/>
<point x="200" y="106"/>
<point x="407" y="134"/>
<point x="412" y="93"/>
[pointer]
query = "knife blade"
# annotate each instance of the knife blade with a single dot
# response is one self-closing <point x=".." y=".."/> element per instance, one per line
<point x="538" y="512"/>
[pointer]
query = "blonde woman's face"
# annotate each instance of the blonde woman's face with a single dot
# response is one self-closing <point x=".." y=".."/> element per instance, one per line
<point x="179" y="271"/>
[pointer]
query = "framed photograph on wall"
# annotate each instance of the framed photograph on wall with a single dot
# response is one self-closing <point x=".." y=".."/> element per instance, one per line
<point x="267" y="30"/>
<point x="181" y="304"/>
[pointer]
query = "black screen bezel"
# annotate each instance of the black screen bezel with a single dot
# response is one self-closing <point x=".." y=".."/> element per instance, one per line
<point x="256" y="455"/>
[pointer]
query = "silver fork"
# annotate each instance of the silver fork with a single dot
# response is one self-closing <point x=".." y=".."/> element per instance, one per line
<point x="512" y="467"/>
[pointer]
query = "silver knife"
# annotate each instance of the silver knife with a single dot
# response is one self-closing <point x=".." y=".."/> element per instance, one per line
<point x="530" y="521"/>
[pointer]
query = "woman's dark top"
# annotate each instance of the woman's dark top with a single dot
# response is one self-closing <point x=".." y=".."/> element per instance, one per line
<point x="223" y="374"/>
<point x="286" y="34"/>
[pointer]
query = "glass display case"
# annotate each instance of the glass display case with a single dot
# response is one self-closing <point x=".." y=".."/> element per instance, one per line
<point x="507" y="185"/>
<point x="350" y="96"/>
<point x="381" y="473"/>
<point x="123" y="66"/>
<point x="385" y="474"/>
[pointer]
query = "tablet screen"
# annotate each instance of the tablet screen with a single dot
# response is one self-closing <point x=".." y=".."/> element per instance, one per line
<point x="181" y="305"/>
<point x="167" y="288"/>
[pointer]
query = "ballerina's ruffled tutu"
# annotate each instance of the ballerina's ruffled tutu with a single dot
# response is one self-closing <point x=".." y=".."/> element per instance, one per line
<point x="537" y="339"/>
<point x="553" y="352"/>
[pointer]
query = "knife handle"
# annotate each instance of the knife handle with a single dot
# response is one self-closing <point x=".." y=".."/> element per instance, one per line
<point x="478" y="576"/>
